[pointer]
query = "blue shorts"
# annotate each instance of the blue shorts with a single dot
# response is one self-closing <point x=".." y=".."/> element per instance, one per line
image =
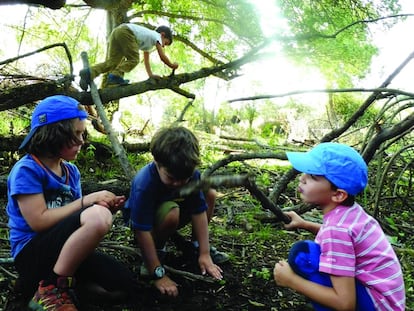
<point x="304" y="260"/>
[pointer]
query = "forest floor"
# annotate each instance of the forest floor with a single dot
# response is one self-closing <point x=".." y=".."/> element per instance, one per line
<point x="252" y="237"/>
<point x="254" y="248"/>
<point x="248" y="276"/>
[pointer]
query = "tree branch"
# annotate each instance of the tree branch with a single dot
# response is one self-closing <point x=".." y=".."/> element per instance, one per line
<point x="386" y="93"/>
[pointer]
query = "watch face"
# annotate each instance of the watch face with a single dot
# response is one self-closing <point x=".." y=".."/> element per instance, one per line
<point x="159" y="272"/>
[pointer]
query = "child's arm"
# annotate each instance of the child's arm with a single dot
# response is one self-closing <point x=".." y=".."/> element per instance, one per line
<point x="40" y="218"/>
<point x="298" y="222"/>
<point x="200" y="227"/>
<point x="342" y="296"/>
<point x="162" y="56"/>
<point x="149" y="254"/>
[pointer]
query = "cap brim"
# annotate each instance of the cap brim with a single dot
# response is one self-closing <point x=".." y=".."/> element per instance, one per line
<point x="27" y="138"/>
<point x="304" y="162"/>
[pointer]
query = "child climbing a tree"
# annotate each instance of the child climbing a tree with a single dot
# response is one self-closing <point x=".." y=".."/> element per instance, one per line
<point x="125" y="42"/>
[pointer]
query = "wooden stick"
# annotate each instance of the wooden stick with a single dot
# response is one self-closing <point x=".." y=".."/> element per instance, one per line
<point x="116" y="146"/>
<point x="233" y="181"/>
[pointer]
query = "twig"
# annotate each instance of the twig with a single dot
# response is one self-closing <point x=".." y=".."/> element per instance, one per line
<point x="8" y="272"/>
<point x="117" y="147"/>
<point x="6" y="260"/>
<point x="185" y="274"/>
<point x="191" y="276"/>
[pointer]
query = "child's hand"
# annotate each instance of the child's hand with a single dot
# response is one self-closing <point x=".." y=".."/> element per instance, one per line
<point x="207" y="266"/>
<point x="282" y="273"/>
<point x="117" y="203"/>
<point x="296" y="221"/>
<point x="106" y="199"/>
<point x="166" y="286"/>
<point x="156" y="77"/>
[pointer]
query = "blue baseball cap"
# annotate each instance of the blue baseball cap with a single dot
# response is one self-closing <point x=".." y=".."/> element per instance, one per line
<point x="340" y="164"/>
<point x="51" y="110"/>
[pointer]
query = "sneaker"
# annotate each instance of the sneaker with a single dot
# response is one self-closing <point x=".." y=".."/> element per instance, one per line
<point x="54" y="298"/>
<point x="116" y="80"/>
<point x="85" y="78"/>
<point x="218" y="257"/>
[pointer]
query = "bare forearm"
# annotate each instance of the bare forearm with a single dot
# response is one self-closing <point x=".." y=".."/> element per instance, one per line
<point x="148" y="251"/>
<point x="167" y="61"/>
<point x="311" y="226"/>
<point x="200" y="226"/>
<point x="324" y="295"/>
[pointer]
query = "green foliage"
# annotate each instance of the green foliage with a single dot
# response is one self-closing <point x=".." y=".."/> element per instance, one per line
<point x="344" y="105"/>
<point x="314" y="25"/>
<point x="212" y="32"/>
<point x="13" y="122"/>
<point x="263" y="273"/>
<point x="87" y="163"/>
<point x="4" y="233"/>
<point x="217" y="26"/>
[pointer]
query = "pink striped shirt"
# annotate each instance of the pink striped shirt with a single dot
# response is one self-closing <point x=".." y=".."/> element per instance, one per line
<point x="353" y="244"/>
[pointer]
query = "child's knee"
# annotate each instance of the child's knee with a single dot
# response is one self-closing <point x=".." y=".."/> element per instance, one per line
<point x="98" y="217"/>
<point x="172" y="218"/>
<point x="210" y="196"/>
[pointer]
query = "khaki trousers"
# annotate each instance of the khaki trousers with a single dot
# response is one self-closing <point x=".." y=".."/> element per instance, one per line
<point x="122" y="53"/>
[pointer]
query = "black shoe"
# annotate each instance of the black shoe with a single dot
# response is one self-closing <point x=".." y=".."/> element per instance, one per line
<point x="85" y="78"/>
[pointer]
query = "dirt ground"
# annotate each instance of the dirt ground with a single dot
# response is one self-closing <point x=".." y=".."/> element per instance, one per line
<point x="248" y="281"/>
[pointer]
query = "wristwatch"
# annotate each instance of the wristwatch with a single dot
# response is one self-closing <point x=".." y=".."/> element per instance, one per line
<point x="159" y="272"/>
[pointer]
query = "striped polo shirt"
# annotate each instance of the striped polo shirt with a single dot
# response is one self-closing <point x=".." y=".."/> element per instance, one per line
<point x="354" y="245"/>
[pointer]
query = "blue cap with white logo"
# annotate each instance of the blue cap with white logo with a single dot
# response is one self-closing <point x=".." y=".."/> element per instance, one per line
<point x="51" y="110"/>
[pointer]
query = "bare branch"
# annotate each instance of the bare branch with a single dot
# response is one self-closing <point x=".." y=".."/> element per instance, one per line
<point x="386" y="93"/>
<point x="69" y="56"/>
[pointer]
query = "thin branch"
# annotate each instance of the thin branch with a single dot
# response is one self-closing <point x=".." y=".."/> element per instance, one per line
<point x="187" y="106"/>
<point x="69" y="56"/>
<point x="315" y="35"/>
<point x="365" y="21"/>
<point x="182" y="92"/>
<point x="386" y="93"/>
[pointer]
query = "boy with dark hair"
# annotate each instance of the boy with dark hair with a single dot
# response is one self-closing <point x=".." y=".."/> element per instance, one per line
<point x="352" y="265"/>
<point x="54" y="229"/>
<point x="125" y="42"/>
<point x="156" y="211"/>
